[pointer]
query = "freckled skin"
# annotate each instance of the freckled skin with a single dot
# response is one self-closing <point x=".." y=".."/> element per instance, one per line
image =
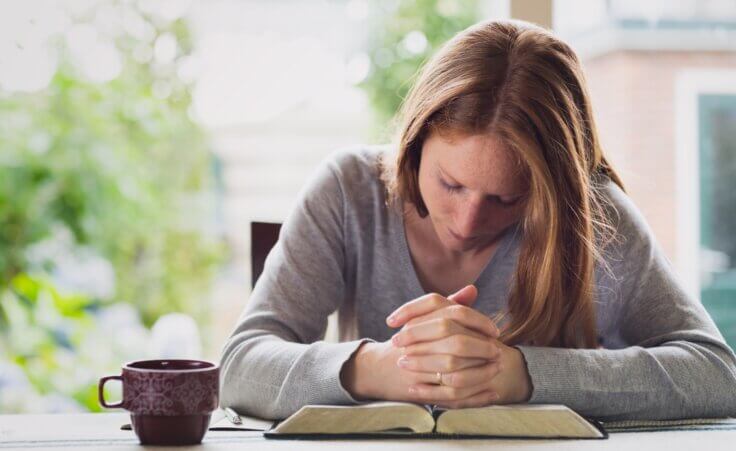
<point x="472" y="188"/>
<point x="473" y="191"/>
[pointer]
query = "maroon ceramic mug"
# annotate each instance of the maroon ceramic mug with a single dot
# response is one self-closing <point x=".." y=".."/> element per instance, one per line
<point x="170" y="401"/>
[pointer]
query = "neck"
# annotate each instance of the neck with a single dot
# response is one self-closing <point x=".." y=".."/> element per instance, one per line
<point x="422" y="230"/>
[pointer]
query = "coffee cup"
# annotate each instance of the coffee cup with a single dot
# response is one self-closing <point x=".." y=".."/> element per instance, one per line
<point x="170" y="401"/>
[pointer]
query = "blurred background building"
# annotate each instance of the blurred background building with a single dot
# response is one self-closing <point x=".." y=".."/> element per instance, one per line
<point x="139" y="140"/>
<point x="663" y="80"/>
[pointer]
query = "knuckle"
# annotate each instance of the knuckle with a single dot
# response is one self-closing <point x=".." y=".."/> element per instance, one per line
<point x="451" y="362"/>
<point x="407" y="334"/>
<point x="458" y="311"/>
<point x="457" y="343"/>
<point x="435" y="299"/>
<point x="445" y="326"/>
<point x="451" y="343"/>
<point x="449" y="380"/>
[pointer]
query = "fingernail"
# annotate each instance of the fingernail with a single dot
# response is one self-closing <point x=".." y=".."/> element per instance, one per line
<point x="403" y="361"/>
<point x="494" y="396"/>
<point x="413" y="390"/>
<point x="396" y="339"/>
<point x="391" y="319"/>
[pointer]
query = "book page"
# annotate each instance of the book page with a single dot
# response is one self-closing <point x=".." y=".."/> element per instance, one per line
<point x="517" y="420"/>
<point x="372" y="417"/>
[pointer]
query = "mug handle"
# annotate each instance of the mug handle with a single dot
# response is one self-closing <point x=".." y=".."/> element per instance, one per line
<point x="101" y="392"/>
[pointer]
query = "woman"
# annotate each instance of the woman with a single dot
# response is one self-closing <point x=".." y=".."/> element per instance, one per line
<point x="545" y="284"/>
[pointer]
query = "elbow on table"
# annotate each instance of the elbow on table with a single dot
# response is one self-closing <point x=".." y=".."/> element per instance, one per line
<point x="248" y="396"/>
<point x="252" y="404"/>
<point x="701" y="384"/>
<point x="727" y="406"/>
<point x="714" y="392"/>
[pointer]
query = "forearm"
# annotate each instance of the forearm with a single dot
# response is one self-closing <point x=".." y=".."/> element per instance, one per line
<point x="269" y="377"/>
<point x="676" y="380"/>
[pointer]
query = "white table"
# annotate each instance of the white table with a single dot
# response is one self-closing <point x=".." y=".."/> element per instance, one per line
<point x="102" y="431"/>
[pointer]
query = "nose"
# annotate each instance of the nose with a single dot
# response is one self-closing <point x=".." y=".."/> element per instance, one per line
<point x="470" y="216"/>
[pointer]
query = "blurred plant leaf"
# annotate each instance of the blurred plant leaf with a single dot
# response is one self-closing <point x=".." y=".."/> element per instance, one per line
<point x="404" y="36"/>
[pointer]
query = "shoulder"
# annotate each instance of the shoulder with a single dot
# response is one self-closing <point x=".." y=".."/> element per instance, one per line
<point x="358" y="172"/>
<point x="348" y="179"/>
<point x="346" y="167"/>
<point x="629" y="248"/>
<point x="357" y="164"/>
<point x="631" y="230"/>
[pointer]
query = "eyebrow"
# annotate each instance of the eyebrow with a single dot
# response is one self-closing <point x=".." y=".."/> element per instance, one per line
<point x="454" y="180"/>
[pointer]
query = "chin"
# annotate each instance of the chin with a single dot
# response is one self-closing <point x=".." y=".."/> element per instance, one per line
<point x="455" y="244"/>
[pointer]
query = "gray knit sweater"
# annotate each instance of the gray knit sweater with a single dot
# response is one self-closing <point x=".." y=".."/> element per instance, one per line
<point x="343" y="249"/>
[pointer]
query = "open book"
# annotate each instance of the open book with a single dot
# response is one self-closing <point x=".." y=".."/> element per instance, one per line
<point x="398" y="419"/>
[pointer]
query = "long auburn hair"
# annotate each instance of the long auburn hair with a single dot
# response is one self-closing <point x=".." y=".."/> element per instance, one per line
<point x="522" y="83"/>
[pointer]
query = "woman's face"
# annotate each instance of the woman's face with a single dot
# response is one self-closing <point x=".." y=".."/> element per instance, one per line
<point x="472" y="188"/>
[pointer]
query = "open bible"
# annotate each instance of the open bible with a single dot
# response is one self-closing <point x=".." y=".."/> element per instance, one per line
<point x="398" y="419"/>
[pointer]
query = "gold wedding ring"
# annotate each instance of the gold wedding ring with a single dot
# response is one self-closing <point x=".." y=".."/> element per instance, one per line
<point x="439" y="378"/>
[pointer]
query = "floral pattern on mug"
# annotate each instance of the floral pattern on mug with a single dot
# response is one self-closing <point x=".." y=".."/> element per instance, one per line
<point x="156" y="393"/>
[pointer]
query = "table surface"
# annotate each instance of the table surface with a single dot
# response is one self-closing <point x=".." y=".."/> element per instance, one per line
<point x="98" y="430"/>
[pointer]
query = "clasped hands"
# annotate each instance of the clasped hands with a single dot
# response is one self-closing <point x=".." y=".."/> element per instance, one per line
<point x="450" y="355"/>
<point x="446" y="354"/>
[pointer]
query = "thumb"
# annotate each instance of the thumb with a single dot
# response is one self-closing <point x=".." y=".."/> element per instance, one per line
<point x="465" y="296"/>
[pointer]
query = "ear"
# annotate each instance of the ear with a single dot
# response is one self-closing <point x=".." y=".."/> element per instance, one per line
<point x="465" y="296"/>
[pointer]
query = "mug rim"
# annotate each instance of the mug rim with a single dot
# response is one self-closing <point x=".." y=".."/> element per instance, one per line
<point x="129" y="366"/>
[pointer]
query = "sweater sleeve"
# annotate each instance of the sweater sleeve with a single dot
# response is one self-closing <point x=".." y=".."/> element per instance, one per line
<point x="275" y="360"/>
<point x="676" y="363"/>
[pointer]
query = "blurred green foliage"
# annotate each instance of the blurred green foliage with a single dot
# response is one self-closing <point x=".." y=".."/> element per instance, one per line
<point x="404" y="36"/>
<point x="44" y="332"/>
<point x="120" y="168"/>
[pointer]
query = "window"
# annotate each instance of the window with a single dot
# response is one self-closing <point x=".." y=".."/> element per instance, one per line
<point x="717" y="153"/>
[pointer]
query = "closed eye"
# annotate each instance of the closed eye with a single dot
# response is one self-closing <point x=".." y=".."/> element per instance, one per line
<point x="507" y="202"/>
<point x="449" y="187"/>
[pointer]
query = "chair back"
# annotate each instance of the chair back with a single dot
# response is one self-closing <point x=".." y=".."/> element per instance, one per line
<point x="263" y="236"/>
